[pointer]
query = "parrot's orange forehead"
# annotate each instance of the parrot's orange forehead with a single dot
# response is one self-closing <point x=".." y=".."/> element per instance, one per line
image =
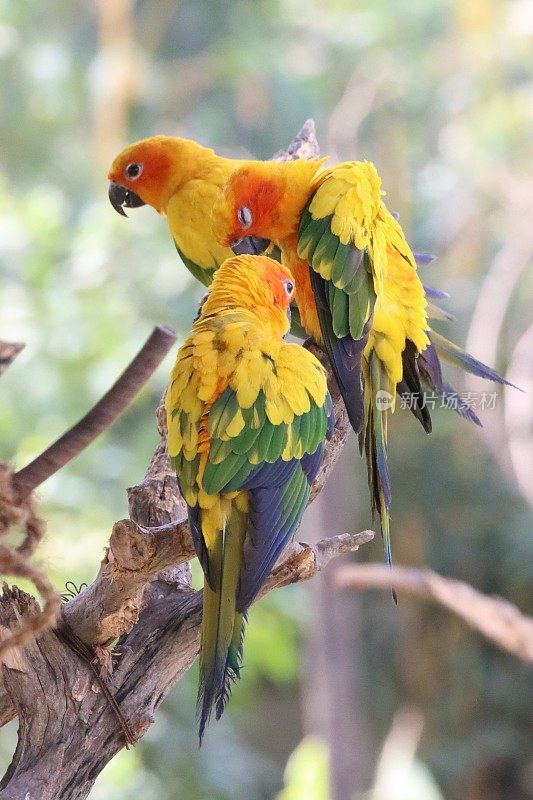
<point x="276" y="276"/>
<point x="151" y="153"/>
<point x="256" y="282"/>
<point x="253" y="188"/>
<point x="250" y="185"/>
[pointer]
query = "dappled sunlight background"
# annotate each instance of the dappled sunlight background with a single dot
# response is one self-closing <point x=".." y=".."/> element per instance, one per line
<point x="439" y="94"/>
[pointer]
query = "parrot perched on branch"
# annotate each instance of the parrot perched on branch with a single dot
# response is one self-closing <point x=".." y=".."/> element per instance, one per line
<point x="248" y="415"/>
<point x="356" y="287"/>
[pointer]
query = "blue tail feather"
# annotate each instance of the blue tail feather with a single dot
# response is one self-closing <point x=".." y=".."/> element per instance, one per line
<point x="435" y="294"/>
<point x="423" y="259"/>
<point x="452" y="353"/>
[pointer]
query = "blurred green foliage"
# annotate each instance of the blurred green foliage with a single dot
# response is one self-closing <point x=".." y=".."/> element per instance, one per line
<point x="438" y="94"/>
<point x="306" y="776"/>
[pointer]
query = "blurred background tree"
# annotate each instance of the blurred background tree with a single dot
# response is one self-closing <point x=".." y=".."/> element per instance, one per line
<point x="439" y="94"/>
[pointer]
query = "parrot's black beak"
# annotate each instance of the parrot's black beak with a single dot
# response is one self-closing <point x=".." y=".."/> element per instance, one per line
<point x="250" y="246"/>
<point x="119" y="197"/>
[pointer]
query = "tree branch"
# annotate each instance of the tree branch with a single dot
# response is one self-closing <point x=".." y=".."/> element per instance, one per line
<point x="304" y="144"/>
<point x="8" y="353"/>
<point x="495" y="618"/>
<point x="57" y="701"/>
<point x="17" y="508"/>
<point x="100" y="417"/>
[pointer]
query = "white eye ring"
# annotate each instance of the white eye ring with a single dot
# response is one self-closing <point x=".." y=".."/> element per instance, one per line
<point x="289" y="287"/>
<point x="244" y="215"/>
<point x="133" y="171"/>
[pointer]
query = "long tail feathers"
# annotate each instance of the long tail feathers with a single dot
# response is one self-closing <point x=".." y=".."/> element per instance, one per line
<point x="374" y="440"/>
<point x="222" y="626"/>
<point x="411" y="385"/>
<point x="450" y="352"/>
<point x="418" y="368"/>
<point x="430" y="368"/>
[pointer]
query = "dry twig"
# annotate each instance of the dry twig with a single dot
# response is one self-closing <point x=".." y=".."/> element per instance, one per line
<point x="497" y="619"/>
<point x="88" y="655"/>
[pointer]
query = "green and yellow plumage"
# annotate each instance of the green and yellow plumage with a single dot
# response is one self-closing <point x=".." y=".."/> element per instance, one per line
<point x="357" y="289"/>
<point x="247" y="415"/>
<point x="349" y="238"/>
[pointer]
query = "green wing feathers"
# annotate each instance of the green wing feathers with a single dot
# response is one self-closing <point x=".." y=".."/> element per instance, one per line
<point x="343" y="287"/>
<point x="344" y="268"/>
<point x="202" y="274"/>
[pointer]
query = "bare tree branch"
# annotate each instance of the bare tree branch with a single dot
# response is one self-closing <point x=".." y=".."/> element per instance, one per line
<point x="100" y="417"/>
<point x="17" y="508"/>
<point x="8" y="353"/>
<point x="497" y="619"/>
<point x="304" y="144"/>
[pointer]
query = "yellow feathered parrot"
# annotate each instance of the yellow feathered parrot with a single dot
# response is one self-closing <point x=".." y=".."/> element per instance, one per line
<point x="248" y="415"/>
<point x="181" y="179"/>
<point x="357" y="290"/>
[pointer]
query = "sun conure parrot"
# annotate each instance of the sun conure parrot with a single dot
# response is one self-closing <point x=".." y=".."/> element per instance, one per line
<point x="248" y="415"/>
<point x="356" y="287"/>
<point x="181" y="179"/>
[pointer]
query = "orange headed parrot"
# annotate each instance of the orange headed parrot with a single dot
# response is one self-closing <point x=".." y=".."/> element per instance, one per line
<point x="356" y="287"/>
<point x="248" y="415"/>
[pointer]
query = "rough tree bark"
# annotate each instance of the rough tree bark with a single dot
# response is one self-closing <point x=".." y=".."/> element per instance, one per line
<point x="141" y="597"/>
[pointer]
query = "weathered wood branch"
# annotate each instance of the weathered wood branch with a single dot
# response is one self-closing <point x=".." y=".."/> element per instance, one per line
<point x="100" y="417"/>
<point x="498" y="620"/>
<point x="59" y="705"/>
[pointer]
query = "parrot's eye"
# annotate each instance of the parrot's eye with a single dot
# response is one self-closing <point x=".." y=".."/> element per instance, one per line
<point x="244" y="215"/>
<point x="289" y="288"/>
<point x="133" y="171"/>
